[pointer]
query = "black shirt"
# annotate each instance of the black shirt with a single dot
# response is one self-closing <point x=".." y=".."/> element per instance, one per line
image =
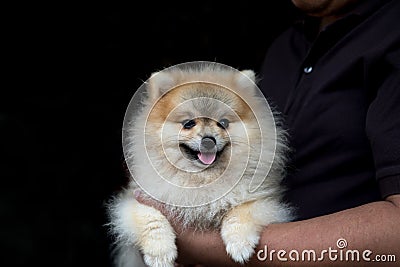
<point x="339" y="93"/>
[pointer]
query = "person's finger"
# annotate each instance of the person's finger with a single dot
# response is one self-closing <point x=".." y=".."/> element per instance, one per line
<point x="140" y="197"/>
<point x="148" y="201"/>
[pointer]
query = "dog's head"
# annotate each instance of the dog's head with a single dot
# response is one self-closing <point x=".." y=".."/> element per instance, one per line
<point x="197" y="116"/>
<point x="196" y="131"/>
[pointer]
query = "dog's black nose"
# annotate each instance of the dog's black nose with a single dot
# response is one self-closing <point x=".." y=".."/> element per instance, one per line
<point x="208" y="143"/>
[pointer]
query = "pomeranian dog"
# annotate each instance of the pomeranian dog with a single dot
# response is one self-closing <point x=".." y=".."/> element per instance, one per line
<point x="203" y="141"/>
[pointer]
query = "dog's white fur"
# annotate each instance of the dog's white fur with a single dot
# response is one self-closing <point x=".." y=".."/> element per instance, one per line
<point x="240" y="215"/>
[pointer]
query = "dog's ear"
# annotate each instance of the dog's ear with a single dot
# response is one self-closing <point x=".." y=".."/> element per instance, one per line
<point x="250" y="74"/>
<point x="158" y="84"/>
<point x="246" y="81"/>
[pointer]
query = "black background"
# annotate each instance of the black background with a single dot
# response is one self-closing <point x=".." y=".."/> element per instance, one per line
<point x="71" y="72"/>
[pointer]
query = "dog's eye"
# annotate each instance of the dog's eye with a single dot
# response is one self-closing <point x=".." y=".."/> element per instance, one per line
<point x="224" y="123"/>
<point x="188" y="124"/>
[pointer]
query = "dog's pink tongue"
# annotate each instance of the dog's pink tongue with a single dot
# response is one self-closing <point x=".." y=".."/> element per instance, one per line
<point x="206" y="158"/>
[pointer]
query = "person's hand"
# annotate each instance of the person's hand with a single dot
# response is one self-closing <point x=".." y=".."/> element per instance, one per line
<point x="183" y="235"/>
<point x="148" y="201"/>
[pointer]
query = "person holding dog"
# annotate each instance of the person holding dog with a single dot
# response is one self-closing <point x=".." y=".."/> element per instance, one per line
<point x="335" y="77"/>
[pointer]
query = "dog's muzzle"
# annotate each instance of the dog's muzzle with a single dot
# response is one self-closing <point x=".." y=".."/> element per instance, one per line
<point x="208" y="150"/>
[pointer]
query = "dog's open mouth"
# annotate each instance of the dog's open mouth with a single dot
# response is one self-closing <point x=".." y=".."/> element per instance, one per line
<point x="206" y="158"/>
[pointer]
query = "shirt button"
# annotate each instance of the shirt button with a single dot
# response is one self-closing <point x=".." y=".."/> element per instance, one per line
<point x="308" y="69"/>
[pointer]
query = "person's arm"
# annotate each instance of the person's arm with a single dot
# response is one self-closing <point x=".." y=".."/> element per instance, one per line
<point x="374" y="227"/>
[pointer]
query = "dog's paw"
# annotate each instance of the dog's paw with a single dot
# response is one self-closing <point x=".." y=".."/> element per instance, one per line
<point x="158" y="245"/>
<point x="240" y="251"/>
<point x="160" y="254"/>
<point x="240" y="240"/>
<point x="166" y="260"/>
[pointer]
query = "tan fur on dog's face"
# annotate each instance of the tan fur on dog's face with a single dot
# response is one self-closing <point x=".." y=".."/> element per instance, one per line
<point x="205" y="105"/>
<point x="189" y="91"/>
